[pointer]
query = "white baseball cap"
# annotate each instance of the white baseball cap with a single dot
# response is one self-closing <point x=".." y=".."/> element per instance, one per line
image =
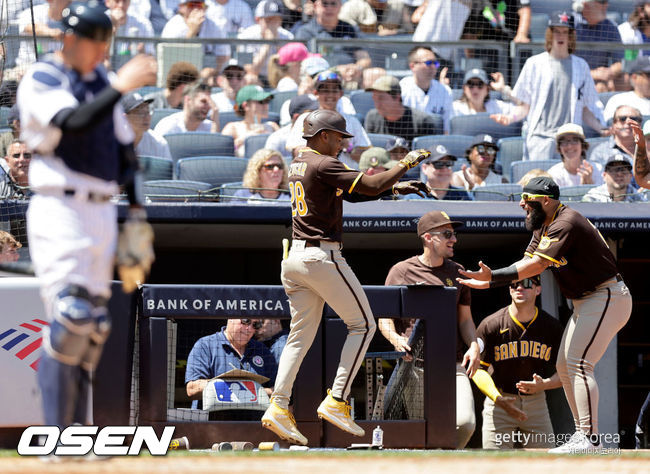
<point x="569" y="129"/>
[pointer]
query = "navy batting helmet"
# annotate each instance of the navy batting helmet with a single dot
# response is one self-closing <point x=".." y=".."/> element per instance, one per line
<point x="87" y="20"/>
<point x="324" y="120"/>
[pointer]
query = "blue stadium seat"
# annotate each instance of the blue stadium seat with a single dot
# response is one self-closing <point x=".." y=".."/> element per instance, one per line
<point x="380" y="139"/>
<point x="159" y="114"/>
<point x="455" y="144"/>
<point x="605" y="96"/>
<point x="227" y="117"/>
<point x="182" y="145"/>
<point x="229" y="189"/>
<point x="520" y="168"/>
<point x="482" y="123"/>
<point x="280" y="98"/>
<point x="538" y="24"/>
<point x="174" y="190"/>
<point x="215" y="170"/>
<point x="254" y="143"/>
<point x="362" y="102"/>
<point x="155" y="167"/>
<point x="4" y="116"/>
<point x="510" y="149"/>
<point x="575" y="193"/>
<point x="593" y="143"/>
<point x="498" y="192"/>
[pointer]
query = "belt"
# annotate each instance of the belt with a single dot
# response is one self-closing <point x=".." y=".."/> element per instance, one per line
<point x="312" y="243"/>
<point x="89" y="196"/>
<point x="618" y="278"/>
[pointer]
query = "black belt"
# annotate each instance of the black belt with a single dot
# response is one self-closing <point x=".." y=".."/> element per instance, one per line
<point x="89" y="196"/>
<point x="312" y="243"/>
<point x="618" y="278"/>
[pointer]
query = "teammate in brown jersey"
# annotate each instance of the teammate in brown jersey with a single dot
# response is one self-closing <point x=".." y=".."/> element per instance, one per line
<point x="519" y="345"/>
<point x="315" y="272"/>
<point x="586" y="272"/>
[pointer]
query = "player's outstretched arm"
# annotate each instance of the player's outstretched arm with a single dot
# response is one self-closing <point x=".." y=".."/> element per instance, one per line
<point x="378" y="183"/>
<point x="539" y="384"/>
<point x="486" y="277"/>
<point x="641" y="162"/>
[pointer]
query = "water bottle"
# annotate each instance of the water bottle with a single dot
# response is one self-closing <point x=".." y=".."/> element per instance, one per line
<point x="378" y="436"/>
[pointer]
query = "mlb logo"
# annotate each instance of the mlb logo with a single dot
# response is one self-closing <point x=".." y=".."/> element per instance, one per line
<point x="235" y="391"/>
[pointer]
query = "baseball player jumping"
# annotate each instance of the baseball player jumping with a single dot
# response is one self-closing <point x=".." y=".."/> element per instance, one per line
<point x="586" y="272"/>
<point x="70" y="116"/>
<point x="315" y="272"/>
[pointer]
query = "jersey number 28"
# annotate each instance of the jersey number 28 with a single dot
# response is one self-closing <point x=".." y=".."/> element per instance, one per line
<point x="298" y="204"/>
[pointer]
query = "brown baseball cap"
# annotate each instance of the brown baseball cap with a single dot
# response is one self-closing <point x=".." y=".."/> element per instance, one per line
<point x="433" y="219"/>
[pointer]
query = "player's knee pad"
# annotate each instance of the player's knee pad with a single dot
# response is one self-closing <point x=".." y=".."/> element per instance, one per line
<point x="101" y="331"/>
<point x="68" y="336"/>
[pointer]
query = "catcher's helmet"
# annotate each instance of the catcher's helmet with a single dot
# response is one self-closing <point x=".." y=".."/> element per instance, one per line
<point x="87" y="20"/>
<point x="324" y="120"/>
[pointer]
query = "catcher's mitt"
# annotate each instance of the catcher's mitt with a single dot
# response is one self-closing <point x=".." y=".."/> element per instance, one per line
<point x="134" y="250"/>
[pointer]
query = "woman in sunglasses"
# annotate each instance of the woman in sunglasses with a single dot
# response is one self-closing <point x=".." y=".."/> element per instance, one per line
<point x="253" y="104"/>
<point x="574" y="169"/>
<point x="476" y="95"/>
<point x="265" y="177"/>
<point x="481" y="155"/>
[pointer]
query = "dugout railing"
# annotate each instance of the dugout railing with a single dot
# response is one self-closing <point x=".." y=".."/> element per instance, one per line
<point x="435" y="305"/>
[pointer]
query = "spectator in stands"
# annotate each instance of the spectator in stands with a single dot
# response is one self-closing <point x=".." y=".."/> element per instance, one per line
<point x="328" y="90"/>
<point x="284" y="67"/>
<point x="421" y="91"/>
<point x="476" y="95"/>
<point x="375" y="160"/>
<point x="13" y="120"/>
<point x="191" y="21"/>
<point x="231" y="80"/>
<point x="534" y="173"/>
<point x="126" y="23"/>
<point x="391" y="116"/>
<point x="297" y="106"/>
<point x="197" y="106"/>
<point x="554" y="88"/>
<point x="231" y="15"/>
<point x="438" y="171"/>
<point x="480" y="155"/>
<point x="252" y="104"/>
<point x="593" y="25"/>
<point x="639" y="97"/>
<point x="14" y="182"/>
<point x="398" y="148"/>
<point x="8" y="247"/>
<point x="218" y="353"/>
<point x="617" y="185"/>
<point x="273" y="335"/>
<point x="441" y="21"/>
<point x="268" y="19"/>
<point x="43" y="26"/>
<point x="637" y="29"/>
<point x="152" y="11"/>
<point x="326" y="24"/>
<point x="146" y="142"/>
<point x="265" y="177"/>
<point x="370" y="75"/>
<point x="179" y="76"/>
<point x="574" y="169"/>
<point x="622" y="138"/>
<point x="373" y="16"/>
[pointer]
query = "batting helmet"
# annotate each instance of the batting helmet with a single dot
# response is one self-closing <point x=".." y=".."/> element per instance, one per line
<point x="87" y="20"/>
<point x="324" y="120"/>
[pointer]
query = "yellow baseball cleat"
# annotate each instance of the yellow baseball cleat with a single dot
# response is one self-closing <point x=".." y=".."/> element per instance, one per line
<point x="338" y="413"/>
<point x="283" y="424"/>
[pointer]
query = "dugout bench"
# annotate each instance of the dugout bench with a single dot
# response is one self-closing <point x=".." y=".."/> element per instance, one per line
<point x="158" y="303"/>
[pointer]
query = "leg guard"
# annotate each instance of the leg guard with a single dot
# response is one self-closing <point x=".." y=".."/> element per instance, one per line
<point x="100" y="332"/>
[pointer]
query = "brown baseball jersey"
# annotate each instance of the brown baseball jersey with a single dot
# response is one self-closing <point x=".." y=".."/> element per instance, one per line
<point x="518" y="350"/>
<point x="581" y="259"/>
<point x="413" y="272"/>
<point x="317" y="184"/>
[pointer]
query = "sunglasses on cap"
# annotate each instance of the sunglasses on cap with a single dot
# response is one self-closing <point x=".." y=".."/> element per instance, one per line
<point x="442" y="164"/>
<point x="527" y="283"/>
<point x="486" y="150"/>
<point x="248" y="322"/>
<point x="623" y="118"/>
<point x="328" y="76"/>
<point x="447" y="234"/>
<point x="530" y="196"/>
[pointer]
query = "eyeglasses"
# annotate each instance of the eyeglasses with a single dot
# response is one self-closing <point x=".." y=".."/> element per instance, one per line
<point x="27" y="156"/>
<point x="527" y="283"/>
<point x="569" y="141"/>
<point x="429" y="63"/>
<point x="234" y="75"/>
<point x="623" y="118"/>
<point x="248" y="322"/>
<point x="272" y="166"/>
<point x="477" y="84"/>
<point x="530" y="197"/>
<point x="486" y="150"/>
<point x="442" y="164"/>
<point x="618" y="169"/>
<point x="328" y="76"/>
<point x="329" y="4"/>
<point x="447" y="234"/>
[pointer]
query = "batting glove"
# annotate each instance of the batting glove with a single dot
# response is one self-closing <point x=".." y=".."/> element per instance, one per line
<point x="414" y="158"/>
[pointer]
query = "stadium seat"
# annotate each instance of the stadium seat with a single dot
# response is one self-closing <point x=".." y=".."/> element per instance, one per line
<point x="498" y="192"/>
<point x="575" y="193"/>
<point x="254" y="143"/>
<point x="4" y="116"/>
<point x="605" y="96"/>
<point x="593" y="143"/>
<point x="520" y="168"/>
<point x="510" y="149"/>
<point x="229" y="189"/>
<point x="280" y="98"/>
<point x="155" y="167"/>
<point x="215" y="170"/>
<point x="174" y="190"/>
<point x="227" y="117"/>
<point x="482" y="123"/>
<point x="380" y="139"/>
<point x="538" y="24"/>
<point x="182" y="145"/>
<point x="159" y="114"/>
<point x="362" y="102"/>
<point x="455" y="144"/>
